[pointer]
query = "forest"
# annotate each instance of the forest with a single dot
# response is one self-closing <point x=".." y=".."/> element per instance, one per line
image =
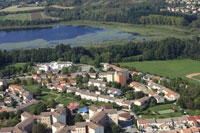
<point x="170" y="48"/>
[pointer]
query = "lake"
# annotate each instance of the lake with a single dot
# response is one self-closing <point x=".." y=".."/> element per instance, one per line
<point x="48" y="37"/>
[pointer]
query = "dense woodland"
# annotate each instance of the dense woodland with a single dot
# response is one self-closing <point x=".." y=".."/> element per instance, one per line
<point x="170" y="48"/>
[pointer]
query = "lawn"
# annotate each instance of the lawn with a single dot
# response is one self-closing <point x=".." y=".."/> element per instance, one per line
<point x="65" y="101"/>
<point x="197" y="77"/>
<point x="16" y="9"/>
<point x="31" y="88"/>
<point x="168" y="68"/>
<point x="162" y="112"/>
<point x="46" y="96"/>
<point x="23" y="16"/>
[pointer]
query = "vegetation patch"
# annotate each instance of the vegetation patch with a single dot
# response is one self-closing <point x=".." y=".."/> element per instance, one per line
<point x="166" y="111"/>
<point x="23" y="17"/>
<point x="16" y="8"/>
<point x="62" y="7"/>
<point x="36" y="16"/>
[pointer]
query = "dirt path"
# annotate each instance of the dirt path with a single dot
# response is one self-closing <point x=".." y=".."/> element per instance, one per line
<point x="192" y="75"/>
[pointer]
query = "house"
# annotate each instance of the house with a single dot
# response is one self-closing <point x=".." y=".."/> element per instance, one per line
<point x="102" y="75"/>
<point x="92" y="75"/>
<point x="159" y="99"/>
<point x="3" y="82"/>
<point x="167" y="121"/>
<point x="2" y="105"/>
<point x="192" y="121"/>
<point x="152" y="94"/>
<point x="81" y="127"/>
<point x="141" y="101"/>
<point x="120" y="78"/>
<point x="105" y="116"/>
<point x="61" y="88"/>
<point x="125" y="116"/>
<point x="114" y="91"/>
<point x="96" y="83"/>
<point x="73" y="106"/>
<point x="83" y="111"/>
<point x="148" y="128"/>
<point x="110" y="76"/>
<point x="1" y="94"/>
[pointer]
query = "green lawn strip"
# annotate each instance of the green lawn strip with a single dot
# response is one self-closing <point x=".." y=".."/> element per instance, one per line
<point x="165" y="111"/>
<point x="162" y="107"/>
<point x="31" y="88"/>
<point x="167" y="68"/>
<point x="66" y="101"/>
<point x="17" y="65"/>
<point x="23" y="17"/>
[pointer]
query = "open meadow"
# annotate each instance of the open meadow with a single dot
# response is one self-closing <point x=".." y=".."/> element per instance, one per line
<point x="16" y="8"/>
<point x="167" y="68"/>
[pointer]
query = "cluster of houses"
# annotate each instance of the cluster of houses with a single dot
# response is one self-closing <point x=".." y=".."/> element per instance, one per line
<point x="182" y="124"/>
<point x="184" y="6"/>
<point x="152" y="89"/>
<point x="55" y="119"/>
<point x="19" y="95"/>
<point x="64" y="82"/>
<point x="98" y="116"/>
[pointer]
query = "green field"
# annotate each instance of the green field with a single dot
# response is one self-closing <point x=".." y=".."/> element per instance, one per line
<point x="168" y="68"/>
<point x="65" y="101"/>
<point x="16" y="9"/>
<point x="23" y="16"/>
<point x="162" y="112"/>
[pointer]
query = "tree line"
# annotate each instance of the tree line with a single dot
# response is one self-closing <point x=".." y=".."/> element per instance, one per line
<point x="170" y="48"/>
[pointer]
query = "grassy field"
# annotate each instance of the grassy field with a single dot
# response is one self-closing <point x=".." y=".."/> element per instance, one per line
<point x="168" y="68"/>
<point x="164" y="110"/>
<point x="16" y="9"/>
<point x="65" y="101"/>
<point x="23" y="16"/>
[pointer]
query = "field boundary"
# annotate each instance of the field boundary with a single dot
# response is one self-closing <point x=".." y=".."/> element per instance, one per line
<point x="190" y="76"/>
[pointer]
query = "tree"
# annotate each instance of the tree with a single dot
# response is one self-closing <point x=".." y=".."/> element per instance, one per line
<point x="37" y="92"/>
<point x="78" y="118"/>
<point x="39" y="128"/>
<point x="115" y="128"/>
<point x="92" y="70"/>
<point x="64" y="70"/>
<point x="51" y="103"/>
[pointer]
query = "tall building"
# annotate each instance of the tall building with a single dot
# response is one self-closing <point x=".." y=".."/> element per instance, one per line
<point x="120" y="78"/>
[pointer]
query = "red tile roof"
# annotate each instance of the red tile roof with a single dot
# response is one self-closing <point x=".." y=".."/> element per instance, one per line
<point x="73" y="106"/>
